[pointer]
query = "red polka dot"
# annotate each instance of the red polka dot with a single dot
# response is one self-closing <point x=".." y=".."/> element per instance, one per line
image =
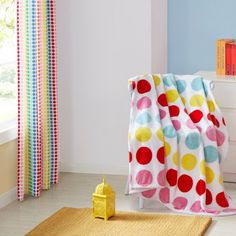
<point x="221" y="200"/>
<point x="208" y="197"/>
<point x="130" y="156"/>
<point x="196" y="116"/>
<point x="161" y="155"/>
<point x="215" y="121"/>
<point x="174" y="111"/>
<point x="185" y="183"/>
<point x="162" y="100"/>
<point x="201" y="187"/>
<point x="209" y="116"/>
<point x="149" y="193"/>
<point x="133" y="85"/>
<point x="171" y="177"/>
<point x="223" y="121"/>
<point x="144" y="155"/>
<point x="143" y="86"/>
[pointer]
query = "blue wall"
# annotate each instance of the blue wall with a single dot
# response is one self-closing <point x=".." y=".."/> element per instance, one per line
<point x="193" y="27"/>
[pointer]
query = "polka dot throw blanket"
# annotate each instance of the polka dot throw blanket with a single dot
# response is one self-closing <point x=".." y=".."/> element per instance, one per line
<point x="177" y="141"/>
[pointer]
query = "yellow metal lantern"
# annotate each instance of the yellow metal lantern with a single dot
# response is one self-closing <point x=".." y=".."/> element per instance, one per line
<point x="104" y="201"/>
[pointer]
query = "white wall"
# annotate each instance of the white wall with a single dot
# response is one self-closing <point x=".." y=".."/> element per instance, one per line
<point x="101" y="44"/>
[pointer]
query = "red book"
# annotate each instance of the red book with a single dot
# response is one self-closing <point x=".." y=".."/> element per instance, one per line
<point x="228" y="58"/>
<point x="233" y="58"/>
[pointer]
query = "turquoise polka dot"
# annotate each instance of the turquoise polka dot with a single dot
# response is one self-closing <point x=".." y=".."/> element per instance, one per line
<point x="197" y="84"/>
<point x="192" y="140"/>
<point x="178" y="137"/>
<point x="169" y="131"/>
<point x="211" y="154"/>
<point x="205" y="87"/>
<point x="181" y="85"/>
<point x="167" y="81"/>
<point x="144" y="118"/>
<point x="158" y="119"/>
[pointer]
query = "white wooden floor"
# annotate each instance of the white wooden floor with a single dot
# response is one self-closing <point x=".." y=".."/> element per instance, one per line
<point x="75" y="190"/>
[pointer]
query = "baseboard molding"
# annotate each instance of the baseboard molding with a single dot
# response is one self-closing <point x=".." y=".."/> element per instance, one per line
<point x="8" y="197"/>
<point x="93" y="169"/>
<point x="229" y="177"/>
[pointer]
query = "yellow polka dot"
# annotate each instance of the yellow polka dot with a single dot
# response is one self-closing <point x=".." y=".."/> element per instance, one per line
<point x="175" y="158"/>
<point x="156" y="79"/>
<point x="211" y="105"/>
<point x="196" y="100"/>
<point x="167" y="148"/>
<point x="183" y="100"/>
<point x="203" y="167"/>
<point x="172" y="95"/>
<point x="129" y="136"/>
<point x="189" y="161"/>
<point x="143" y="134"/>
<point x="160" y="134"/>
<point x="221" y="179"/>
<point x="209" y="175"/>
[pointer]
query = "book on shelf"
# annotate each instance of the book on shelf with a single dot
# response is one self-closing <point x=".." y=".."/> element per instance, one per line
<point x="221" y="56"/>
<point x="228" y="59"/>
<point x="218" y="57"/>
<point x="233" y="59"/>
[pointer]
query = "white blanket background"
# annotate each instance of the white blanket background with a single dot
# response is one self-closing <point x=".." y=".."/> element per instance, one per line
<point x="177" y="140"/>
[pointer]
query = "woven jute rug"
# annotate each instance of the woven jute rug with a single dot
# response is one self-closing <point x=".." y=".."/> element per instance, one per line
<point x="73" y="221"/>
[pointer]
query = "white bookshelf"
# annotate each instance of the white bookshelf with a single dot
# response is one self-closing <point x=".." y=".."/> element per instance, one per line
<point x="224" y="90"/>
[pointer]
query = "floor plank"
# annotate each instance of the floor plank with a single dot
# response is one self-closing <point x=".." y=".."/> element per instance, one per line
<point x="75" y="190"/>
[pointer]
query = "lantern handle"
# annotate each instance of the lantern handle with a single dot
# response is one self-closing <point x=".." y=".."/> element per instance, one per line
<point x="104" y="179"/>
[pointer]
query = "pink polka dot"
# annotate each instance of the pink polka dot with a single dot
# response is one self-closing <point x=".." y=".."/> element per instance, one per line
<point x="149" y="193"/>
<point x="161" y="177"/>
<point x="130" y="179"/>
<point x="180" y="203"/>
<point x="220" y="137"/>
<point x="190" y="124"/>
<point x="164" y="195"/>
<point x="229" y="210"/>
<point x="162" y="114"/>
<point x="215" y="212"/>
<point x="176" y="124"/>
<point x="199" y="129"/>
<point x="143" y="103"/>
<point x="211" y="133"/>
<point x="196" y="207"/>
<point x="144" y="177"/>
